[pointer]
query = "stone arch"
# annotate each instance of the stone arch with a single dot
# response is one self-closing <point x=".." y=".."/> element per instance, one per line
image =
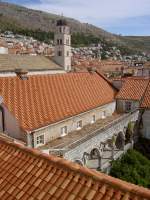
<point x="120" y="140"/>
<point x="95" y="153"/>
<point x="78" y="161"/>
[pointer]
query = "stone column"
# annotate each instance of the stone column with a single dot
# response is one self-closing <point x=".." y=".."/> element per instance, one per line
<point x="100" y="162"/>
<point x="113" y="152"/>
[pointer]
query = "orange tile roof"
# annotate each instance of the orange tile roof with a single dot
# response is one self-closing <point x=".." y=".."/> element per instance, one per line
<point x="102" y="65"/>
<point x="146" y="99"/>
<point x="133" y="89"/>
<point x="45" y="99"/>
<point x="27" y="174"/>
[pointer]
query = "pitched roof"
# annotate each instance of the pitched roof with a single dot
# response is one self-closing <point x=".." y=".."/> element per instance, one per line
<point x="27" y="174"/>
<point x="146" y="99"/>
<point x="10" y="62"/>
<point x="133" y="89"/>
<point x="45" y="99"/>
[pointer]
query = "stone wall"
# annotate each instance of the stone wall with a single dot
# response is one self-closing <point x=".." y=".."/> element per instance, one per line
<point x="54" y="131"/>
<point x="11" y="126"/>
<point x="121" y="105"/>
<point x="146" y="124"/>
<point x="101" y="136"/>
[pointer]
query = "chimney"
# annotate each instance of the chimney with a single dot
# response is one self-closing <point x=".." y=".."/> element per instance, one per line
<point x="22" y="74"/>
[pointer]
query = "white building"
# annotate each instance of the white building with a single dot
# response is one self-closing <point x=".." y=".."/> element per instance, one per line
<point x="135" y="94"/>
<point x="72" y="115"/>
<point x="62" y="42"/>
<point x="3" y="47"/>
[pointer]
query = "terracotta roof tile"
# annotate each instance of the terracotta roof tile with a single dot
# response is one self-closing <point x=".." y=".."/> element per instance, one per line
<point x="62" y="179"/>
<point x="146" y="99"/>
<point x="45" y="99"/>
<point x="133" y="89"/>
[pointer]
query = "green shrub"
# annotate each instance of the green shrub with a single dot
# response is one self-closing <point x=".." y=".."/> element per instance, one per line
<point x="132" y="167"/>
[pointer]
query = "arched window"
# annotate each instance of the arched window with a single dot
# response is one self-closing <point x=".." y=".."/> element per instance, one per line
<point x="59" y="41"/>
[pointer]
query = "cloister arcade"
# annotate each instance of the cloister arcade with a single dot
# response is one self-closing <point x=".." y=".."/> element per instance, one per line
<point x="110" y="149"/>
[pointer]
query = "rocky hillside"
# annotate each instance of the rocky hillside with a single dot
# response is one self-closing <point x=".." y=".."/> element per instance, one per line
<point x="33" y="19"/>
<point x="18" y="17"/>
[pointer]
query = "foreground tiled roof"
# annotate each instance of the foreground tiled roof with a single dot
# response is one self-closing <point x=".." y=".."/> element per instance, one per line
<point x="146" y="99"/>
<point x="44" y="99"/>
<point x="133" y="89"/>
<point x="27" y="174"/>
<point x="10" y="62"/>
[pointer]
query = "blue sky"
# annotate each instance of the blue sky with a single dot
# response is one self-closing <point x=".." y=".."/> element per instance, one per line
<point x="126" y="17"/>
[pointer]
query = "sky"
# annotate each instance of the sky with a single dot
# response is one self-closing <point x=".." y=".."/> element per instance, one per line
<point x="125" y="17"/>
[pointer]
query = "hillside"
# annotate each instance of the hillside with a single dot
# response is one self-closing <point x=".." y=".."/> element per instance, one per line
<point x="21" y="19"/>
<point x="138" y="42"/>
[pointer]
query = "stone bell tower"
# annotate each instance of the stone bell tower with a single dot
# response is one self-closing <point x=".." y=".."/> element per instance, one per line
<point x="62" y="42"/>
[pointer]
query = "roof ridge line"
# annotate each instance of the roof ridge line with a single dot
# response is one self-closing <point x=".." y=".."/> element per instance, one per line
<point x="106" y="79"/>
<point x="114" y="182"/>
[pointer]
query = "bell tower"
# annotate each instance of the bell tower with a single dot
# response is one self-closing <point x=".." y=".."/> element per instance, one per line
<point x="62" y="41"/>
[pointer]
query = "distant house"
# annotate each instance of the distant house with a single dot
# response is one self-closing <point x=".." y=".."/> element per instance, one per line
<point x="145" y="107"/>
<point x="3" y="47"/>
<point x="131" y="94"/>
<point x="135" y="94"/>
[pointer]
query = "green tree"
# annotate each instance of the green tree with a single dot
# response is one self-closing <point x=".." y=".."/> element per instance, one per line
<point x="132" y="167"/>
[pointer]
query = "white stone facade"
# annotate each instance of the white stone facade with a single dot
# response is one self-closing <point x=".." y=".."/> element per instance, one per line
<point x="146" y="124"/>
<point x="54" y="131"/>
<point x="122" y="107"/>
<point x="62" y="42"/>
<point x="85" y="147"/>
